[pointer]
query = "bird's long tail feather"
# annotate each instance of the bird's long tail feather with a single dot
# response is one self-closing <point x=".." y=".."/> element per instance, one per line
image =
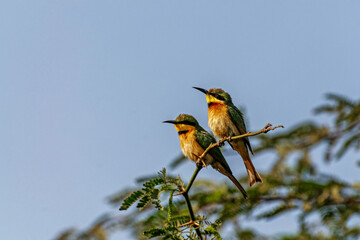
<point x="254" y="176"/>
<point x="238" y="185"/>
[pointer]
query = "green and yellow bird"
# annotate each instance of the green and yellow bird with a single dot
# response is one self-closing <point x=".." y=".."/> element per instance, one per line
<point x="194" y="140"/>
<point x="226" y="120"/>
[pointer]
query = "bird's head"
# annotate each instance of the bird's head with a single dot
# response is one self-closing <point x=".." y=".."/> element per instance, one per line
<point x="216" y="95"/>
<point x="184" y="122"/>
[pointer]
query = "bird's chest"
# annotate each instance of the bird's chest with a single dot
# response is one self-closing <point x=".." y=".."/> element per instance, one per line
<point x="189" y="146"/>
<point x="220" y="122"/>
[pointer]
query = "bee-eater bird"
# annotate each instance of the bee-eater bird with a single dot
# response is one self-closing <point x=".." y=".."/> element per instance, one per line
<point x="226" y="120"/>
<point x="194" y="140"/>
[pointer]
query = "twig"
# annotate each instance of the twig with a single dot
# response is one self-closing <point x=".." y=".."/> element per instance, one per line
<point x="188" y="203"/>
<point x="266" y="129"/>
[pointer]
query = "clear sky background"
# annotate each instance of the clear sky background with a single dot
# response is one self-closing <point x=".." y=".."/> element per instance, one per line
<point x="85" y="85"/>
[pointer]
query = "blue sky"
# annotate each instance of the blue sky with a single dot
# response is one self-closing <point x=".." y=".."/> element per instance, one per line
<point x="85" y="85"/>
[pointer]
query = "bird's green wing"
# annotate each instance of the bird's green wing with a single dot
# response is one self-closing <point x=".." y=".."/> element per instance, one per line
<point x="204" y="139"/>
<point x="237" y="118"/>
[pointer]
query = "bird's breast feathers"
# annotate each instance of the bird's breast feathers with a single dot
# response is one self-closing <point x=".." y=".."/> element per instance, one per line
<point x="220" y="122"/>
<point x="190" y="147"/>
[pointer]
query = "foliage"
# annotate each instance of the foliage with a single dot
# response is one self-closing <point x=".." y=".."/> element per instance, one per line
<point x="324" y="204"/>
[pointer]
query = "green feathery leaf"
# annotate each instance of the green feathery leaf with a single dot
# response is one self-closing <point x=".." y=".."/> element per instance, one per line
<point x="143" y="202"/>
<point x="212" y="231"/>
<point x="131" y="200"/>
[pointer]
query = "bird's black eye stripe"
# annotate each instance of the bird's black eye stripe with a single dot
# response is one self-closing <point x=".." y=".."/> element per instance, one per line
<point x="219" y="97"/>
<point x="182" y="132"/>
<point x="186" y="122"/>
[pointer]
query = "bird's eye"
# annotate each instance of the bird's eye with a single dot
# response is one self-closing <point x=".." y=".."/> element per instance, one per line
<point x="217" y="95"/>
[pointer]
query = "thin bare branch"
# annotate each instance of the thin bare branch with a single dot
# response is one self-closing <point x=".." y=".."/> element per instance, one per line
<point x="221" y="142"/>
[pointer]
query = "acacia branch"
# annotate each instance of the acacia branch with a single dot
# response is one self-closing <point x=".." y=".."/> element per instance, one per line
<point x="221" y="142"/>
<point x="193" y="222"/>
<point x="188" y="203"/>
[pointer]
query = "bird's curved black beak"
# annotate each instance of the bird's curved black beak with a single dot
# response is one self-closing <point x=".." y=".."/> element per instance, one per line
<point x="202" y="90"/>
<point x="170" y="121"/>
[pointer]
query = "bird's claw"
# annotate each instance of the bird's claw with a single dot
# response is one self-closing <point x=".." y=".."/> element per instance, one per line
<point x="223" y="140"/>
<point x="200" y="162"/>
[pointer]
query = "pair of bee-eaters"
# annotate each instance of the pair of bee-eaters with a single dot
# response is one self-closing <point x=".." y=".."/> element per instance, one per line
<point x="225" y="120"/>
